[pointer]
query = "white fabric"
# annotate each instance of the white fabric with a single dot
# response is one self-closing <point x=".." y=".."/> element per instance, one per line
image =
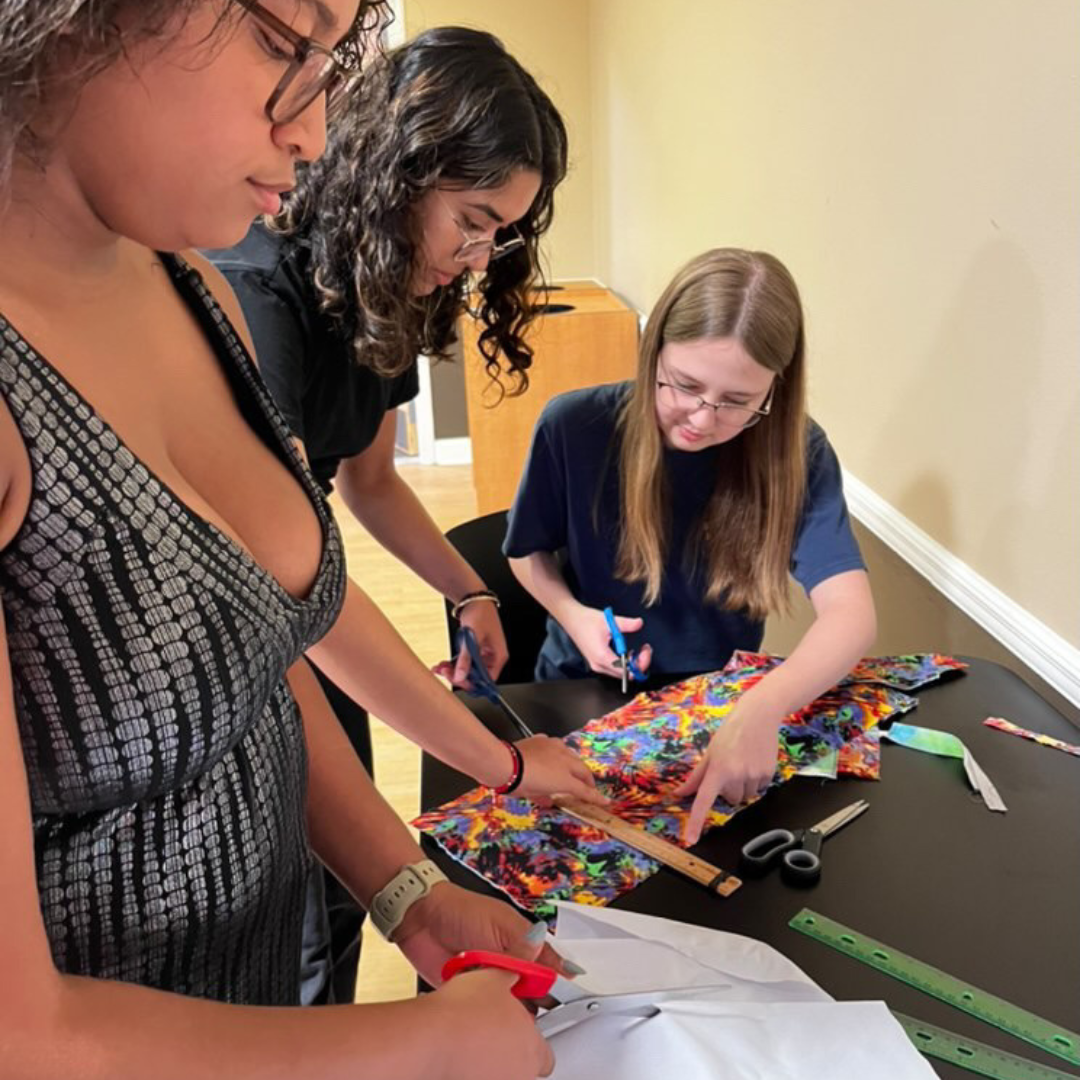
<point x="770" y="1020"/>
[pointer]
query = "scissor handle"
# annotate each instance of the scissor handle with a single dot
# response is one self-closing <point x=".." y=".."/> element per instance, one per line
<point x="483" y="685"/>
<point x="536" y="980"/>
<point x="801" y="867"/>
<point x="760" y="853"/>
<point x="618" y="644"/>
<point x="617" y="640"/>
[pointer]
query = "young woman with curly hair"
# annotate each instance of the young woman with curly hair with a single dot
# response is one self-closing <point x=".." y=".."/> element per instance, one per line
<point x="684" y="499"/>
<point x="443" y="165"/>
<point x="168" y="764"/>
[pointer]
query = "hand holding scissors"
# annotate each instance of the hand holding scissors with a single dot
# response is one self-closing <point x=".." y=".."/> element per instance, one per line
<point x="573" y="1005"/>
<point x="618" y="643"/>
<point x="483" y="685"/>
<point x="799" y="851"/>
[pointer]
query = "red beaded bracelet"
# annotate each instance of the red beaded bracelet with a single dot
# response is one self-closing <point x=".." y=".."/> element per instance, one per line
<point x="516" y="775"/>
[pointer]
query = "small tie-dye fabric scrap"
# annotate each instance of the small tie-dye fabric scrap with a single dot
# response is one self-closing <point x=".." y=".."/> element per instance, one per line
<point x="906" y="672"/>
<point x="638" y="754"/>
<point x="1043" y="740"/>
<point x="945" y="744"/>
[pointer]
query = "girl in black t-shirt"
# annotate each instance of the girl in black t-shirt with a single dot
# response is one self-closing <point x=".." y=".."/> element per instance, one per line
<point x="443" y="165"/>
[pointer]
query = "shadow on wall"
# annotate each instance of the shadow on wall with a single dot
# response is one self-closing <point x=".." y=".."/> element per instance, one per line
<point x="973" y="395"/>
<point x="980" y="395"/>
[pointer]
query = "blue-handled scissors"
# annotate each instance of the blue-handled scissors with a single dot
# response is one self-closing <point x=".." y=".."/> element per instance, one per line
<point x="626" y="661"/>
<point x="799" y="851"/>
<point x="483" y="685"/>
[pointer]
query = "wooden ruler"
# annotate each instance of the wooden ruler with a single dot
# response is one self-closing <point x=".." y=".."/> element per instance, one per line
<point x="712" y="877"/>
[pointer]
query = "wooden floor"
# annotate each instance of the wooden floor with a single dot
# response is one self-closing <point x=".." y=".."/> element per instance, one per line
<point x="417" y="612"/>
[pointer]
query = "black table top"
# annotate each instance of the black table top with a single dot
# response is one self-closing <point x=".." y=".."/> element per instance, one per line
<point x="990" y="898"/>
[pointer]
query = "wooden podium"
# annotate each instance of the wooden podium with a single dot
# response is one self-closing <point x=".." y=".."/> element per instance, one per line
<point x="593" y="342"/>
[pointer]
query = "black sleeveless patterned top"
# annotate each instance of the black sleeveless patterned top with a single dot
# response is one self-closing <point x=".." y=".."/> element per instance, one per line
<point x="164" y="751"/>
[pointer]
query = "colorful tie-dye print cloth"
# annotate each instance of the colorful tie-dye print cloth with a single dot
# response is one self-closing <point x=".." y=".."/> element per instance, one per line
<point x="908" y="673"/>
<point x="1043" y="740"/>
<point x="638" y="754"/>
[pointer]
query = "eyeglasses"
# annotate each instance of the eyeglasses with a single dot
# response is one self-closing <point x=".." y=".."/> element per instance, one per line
<point x="726" y="412"/>
<point x="475" y="245"/>
<point x="313" y="69"/>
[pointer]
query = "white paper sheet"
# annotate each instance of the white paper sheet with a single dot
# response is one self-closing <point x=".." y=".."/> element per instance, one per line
<point x="771" y="1020"/>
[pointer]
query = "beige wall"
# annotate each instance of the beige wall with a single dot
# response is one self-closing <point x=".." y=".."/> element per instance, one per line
<point x="551" y="41"/>
<point x="917" y="165"/>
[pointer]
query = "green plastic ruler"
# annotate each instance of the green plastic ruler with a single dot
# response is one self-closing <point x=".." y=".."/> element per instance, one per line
<point x="939" y="984"/>
<point x="974" y="1055"/>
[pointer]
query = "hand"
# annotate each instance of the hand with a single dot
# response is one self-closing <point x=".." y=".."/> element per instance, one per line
<point x="738" y="765"/>
<point x="482" y="618"/>
<point x="552" y="768"/>
<point x="451" y="919"/>
<point x="588" y="629"/>
<point x="487" y="1033"/>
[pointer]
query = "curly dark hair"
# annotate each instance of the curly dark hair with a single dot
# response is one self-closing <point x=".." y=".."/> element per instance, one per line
<point x="451" y="108"/>
<point x="49" y="49"/>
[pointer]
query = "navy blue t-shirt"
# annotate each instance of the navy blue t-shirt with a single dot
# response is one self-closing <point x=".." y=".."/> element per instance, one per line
<point x="571" y="484"/>
<point x="333" y="404"/>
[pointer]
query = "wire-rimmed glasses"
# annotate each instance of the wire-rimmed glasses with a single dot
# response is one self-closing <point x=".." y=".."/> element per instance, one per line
<point x="313" y="68"/>
<point x="726" y="412"/>
<point x="475" y="245"/>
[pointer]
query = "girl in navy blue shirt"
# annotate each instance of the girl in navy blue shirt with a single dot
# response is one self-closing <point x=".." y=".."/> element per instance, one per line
<point x="684" y="499"/>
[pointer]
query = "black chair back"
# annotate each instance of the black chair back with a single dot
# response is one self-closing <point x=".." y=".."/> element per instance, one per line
<point x="524" y="621"/>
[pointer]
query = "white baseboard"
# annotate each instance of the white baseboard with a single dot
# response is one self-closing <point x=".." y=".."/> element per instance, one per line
<point x="453" y="451"/>
<point x="1043" y="650"/>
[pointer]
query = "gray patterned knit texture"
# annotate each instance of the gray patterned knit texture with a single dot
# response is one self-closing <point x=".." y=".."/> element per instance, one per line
<point x="164" y="752"/>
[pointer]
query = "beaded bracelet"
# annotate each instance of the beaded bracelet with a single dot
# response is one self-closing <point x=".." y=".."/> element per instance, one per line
<point x="471" y="597"/>
<point x="518" y="773"/>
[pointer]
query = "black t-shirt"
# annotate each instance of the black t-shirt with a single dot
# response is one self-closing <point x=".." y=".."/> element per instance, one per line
<point x="332" y="403"/>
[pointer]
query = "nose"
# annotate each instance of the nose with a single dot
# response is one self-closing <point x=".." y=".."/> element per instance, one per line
<point x="711" y="415"/>
<point x="304" y="136"/>
<point x="478" y="259"/>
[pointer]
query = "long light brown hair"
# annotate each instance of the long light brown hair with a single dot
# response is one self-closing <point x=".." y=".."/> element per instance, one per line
<point x="743" y="539"/>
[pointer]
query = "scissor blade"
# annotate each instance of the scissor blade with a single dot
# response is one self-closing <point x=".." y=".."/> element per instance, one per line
<point x="526" y="731"/>
<point x="840" y="818"/>
<point x="645" y="1003"/>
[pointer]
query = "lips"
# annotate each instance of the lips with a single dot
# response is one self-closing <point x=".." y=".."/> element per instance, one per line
<point x="691" y="436"/>
<point x="269" y="195"/>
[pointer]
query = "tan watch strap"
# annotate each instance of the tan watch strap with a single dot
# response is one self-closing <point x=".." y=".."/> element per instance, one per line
<point x="389" y="904"/>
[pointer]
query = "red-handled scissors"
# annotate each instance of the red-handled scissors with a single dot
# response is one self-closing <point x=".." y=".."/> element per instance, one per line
<point x="573" y="1005"/>
<point x="536" y="980"/>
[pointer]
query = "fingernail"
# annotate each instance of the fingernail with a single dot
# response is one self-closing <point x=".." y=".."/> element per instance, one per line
<point x="537" y="933"/>
<point x="571" y="968"/>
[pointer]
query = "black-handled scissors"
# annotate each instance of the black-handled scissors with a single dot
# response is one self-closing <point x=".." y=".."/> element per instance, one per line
<point x="799" y="852"/>
<point x="483" y="685"/>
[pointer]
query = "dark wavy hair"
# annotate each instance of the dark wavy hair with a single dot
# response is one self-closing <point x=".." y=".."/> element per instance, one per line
<point x="49" y="49"/>
<point x="450" y="108"/>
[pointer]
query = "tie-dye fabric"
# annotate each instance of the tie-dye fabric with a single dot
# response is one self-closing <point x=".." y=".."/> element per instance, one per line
<point x="860" y="759"/>
<point x="908" y="672"/>
<point x="638" y="754"/>
<point x="1043" y="740"/>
